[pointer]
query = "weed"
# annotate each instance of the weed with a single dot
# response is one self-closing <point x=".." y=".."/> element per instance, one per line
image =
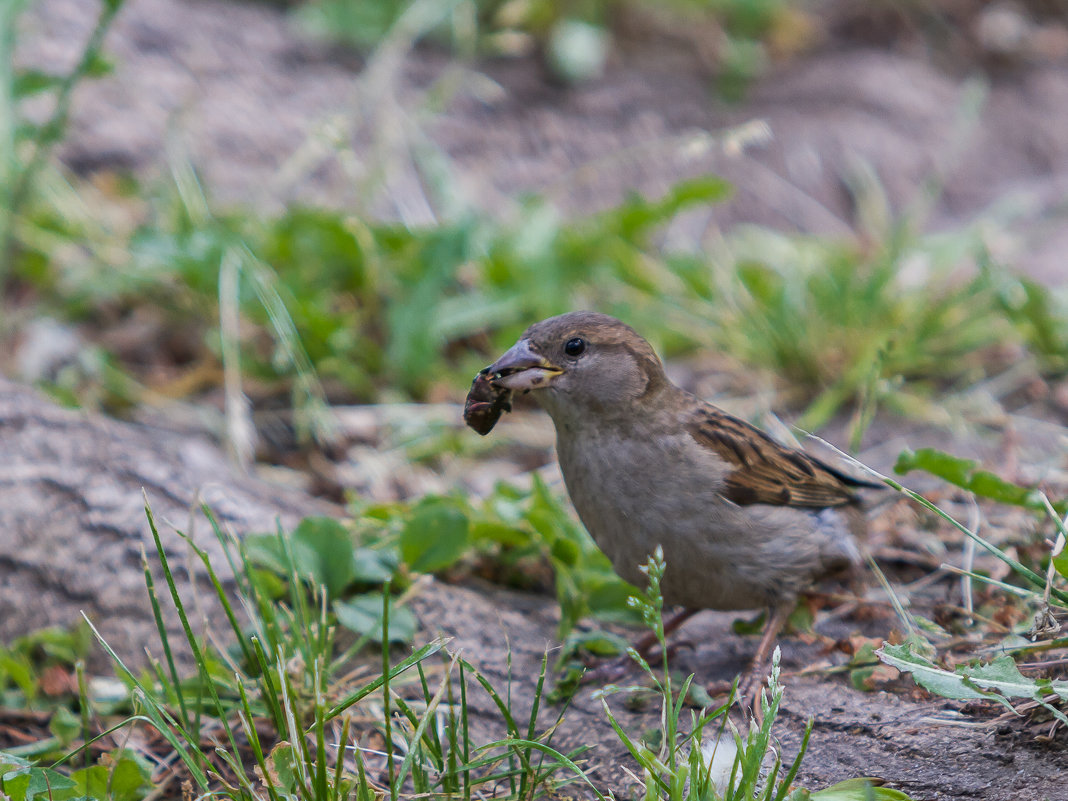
<point x="314" y="296"/>
<point x="998" y="679"/>
<point x="25" y="147"/>
<point x="273" y="717"/>
<point x="573" y="36"/>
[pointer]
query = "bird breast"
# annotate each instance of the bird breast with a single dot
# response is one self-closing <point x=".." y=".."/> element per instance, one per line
<point x="634" y="493"/>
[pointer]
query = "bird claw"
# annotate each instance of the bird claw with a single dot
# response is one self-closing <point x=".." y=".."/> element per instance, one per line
<point x="749" y="692"/>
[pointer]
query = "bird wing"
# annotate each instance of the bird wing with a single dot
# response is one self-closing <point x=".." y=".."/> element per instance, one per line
<point x="767" y="472"/>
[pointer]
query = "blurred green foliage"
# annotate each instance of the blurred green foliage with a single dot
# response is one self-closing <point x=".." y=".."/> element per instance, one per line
<point x="526" y="535"/>
<point x="522" y="533"/>
<point x="377" y="310"/>
<point x="122" y="776"/>
<point x="574" y="34"/>
<point x="373" y="307"/>
<point x="25" y="660"/>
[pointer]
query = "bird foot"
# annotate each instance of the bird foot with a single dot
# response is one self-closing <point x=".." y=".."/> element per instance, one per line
<point x="749" y="691"/>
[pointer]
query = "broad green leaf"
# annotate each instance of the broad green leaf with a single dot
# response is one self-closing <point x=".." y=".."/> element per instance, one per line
<point x="38" y="784"/>
<point x="323" y="551"/>
<point x="327" y="554"/>
<point x="565" y="551"/>
<point x="282" y="773"/>
<point x="9" y="761"/>
<point x="501" y="533"/>
<point x="17" y="668"/>
<point x="598" y="643"/>
<point x="1060" y="562"/>
<point x="130" y="777"/>
<point x="935" y="679"/>
<point x="435" y="536"/>
<point x="1001" y="674"/>
<point x="951" y="468"/>
<point x="362" y="614"/>
<point x="997" y="680"/>
<point x="92" y="782"/>
<point x="374" y="565"/>
<point x="965" y="474"/>
<point x="607" y="596"/>
<point x="858" y="790"/>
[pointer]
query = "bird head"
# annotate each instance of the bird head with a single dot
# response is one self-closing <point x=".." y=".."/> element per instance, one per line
<point x="582" y="361"/>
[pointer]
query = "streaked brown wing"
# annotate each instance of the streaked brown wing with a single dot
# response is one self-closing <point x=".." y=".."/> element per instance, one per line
<point x="767" y="472"/>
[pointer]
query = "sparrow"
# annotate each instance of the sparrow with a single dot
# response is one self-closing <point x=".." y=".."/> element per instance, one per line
<point x="743" y="522"/>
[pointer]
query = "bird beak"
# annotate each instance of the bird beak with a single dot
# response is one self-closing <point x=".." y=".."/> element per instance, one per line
<point x="520" y="368"/>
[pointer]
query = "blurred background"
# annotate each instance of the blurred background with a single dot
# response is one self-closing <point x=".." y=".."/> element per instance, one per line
<point x="301" y="227"/>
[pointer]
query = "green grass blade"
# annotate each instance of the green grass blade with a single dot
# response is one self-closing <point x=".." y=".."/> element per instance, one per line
<point x="505" y="711"/>
<point x="387" y="718"/>
<point x="224" y="599"/>
<point x="420" y="730"/>
<point x="198" y="655"/>
<point x="466" y="734"/>
<point x="248" y="723"/>
<point x="429" y="649"/>
<point x="165" y="641"/>
<point x="159" y="718"/>
<point x="520" y="745"/>
<point x="791" y="774"/>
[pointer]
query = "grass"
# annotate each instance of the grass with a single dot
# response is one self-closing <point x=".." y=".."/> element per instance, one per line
<point x="371" y="310"/>
<point x="278" y="713"/>
<point x="293" y="706"/>
<point x="1041" y="589"/>
<point x="572" y="36"/>
<point x="327" y="305"/>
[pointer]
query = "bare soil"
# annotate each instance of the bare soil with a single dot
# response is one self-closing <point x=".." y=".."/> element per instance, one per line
<point x="71" y="496"/>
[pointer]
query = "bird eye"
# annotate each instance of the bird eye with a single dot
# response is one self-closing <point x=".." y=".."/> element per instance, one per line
<point x="575" y="347"/>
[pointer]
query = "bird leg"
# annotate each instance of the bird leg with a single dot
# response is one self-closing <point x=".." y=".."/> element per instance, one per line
<point x="749" y="689"/>
<point x="615" y="669"/>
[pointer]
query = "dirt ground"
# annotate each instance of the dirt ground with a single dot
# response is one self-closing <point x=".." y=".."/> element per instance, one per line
<point x="258" y="109"/>
<point x="266" y="114"/>
<point x="70" y="507"/>
<point x="921" y="745"/>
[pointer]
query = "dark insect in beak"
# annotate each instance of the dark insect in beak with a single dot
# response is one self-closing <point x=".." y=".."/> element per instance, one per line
<point x="486" y="402"/>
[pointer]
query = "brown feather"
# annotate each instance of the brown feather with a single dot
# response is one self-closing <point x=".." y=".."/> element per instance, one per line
<point x="767" y="472"/>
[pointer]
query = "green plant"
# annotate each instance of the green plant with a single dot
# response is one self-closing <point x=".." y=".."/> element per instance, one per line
<point x="25" y="660"/>
<point x="850" y="324"/>
<point x="710" y="759"/>
<point x="573" y="35"/>
<point x="998" y="679"/>
<point x="985" y="484"/>
<point x="25" y="146"/>
<point x="518" y="534"/>
<point x="277" y="702"/>
<point x="124" y="776"/>
<point x="272" y="714"/>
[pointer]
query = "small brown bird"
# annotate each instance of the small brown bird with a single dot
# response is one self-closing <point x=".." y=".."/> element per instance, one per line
<point x="743" y="521"/>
